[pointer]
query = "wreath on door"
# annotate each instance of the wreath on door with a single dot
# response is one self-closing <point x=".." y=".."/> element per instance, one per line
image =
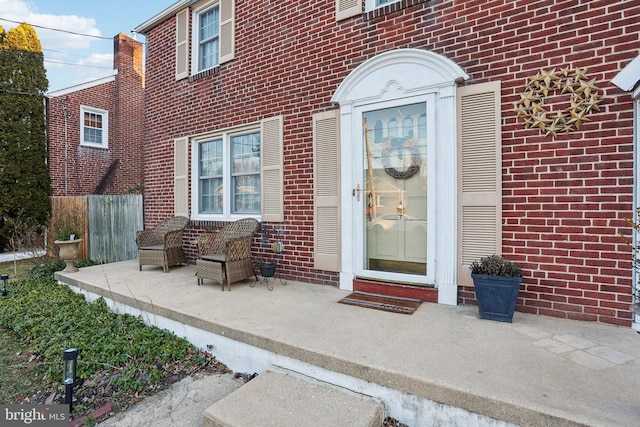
<point x="584" y="98"/>
<point x="396" y="147"/>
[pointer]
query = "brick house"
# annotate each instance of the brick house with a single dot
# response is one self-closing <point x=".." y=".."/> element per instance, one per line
<point x="394" y="142"/>
<point x="95" y="129"/>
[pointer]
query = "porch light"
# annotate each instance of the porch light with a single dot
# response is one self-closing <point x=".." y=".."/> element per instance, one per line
<point x="4" y="279"/>
<point x="70" y="358"/>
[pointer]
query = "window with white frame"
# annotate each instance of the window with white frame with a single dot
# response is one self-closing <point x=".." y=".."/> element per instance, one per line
<point x="228" y="174"/>
<point x="94" y="130"/>
<point x="373" y="4"/>
<point x="206" y="37"/>
<point x="205" y="41"/>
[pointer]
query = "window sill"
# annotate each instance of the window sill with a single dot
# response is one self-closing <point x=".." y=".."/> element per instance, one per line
<point x="223" y="218"/>
<point x="391" y="8"/>
<point x="98" y="146"/>
<point x="205" y="73"/>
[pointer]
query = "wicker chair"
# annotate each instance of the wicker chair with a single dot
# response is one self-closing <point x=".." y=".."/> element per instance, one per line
<point x="162" y="244"/>
<point x="226" y="254"/>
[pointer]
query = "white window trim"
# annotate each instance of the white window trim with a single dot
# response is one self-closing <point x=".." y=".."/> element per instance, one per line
<point x="105" y="126"/>
<point x="225" y="134"/>
<point x="371" y="4"/>
<point x="195" y="37"/>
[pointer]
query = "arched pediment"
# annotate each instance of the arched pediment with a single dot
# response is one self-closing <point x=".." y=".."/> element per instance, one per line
<point x="397" y="73"/>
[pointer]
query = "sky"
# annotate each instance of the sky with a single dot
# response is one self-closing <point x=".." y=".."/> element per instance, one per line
<point x="71" y="59"/>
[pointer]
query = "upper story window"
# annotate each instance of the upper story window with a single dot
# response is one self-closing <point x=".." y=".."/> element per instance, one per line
<point x="94" y="131"/>
<point x="373" y="4"/>
<point x="207" y="38"/>
<point x="372" y="8"/>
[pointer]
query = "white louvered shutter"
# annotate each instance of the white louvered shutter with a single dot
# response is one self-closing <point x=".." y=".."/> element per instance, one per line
<point x="347" y="8"/>
<point x="227" y="30"/>
<point x="326" y="190"/>
<point x="180" y="177"/>
<point x="479" y="175"/>
<point x="272" y="169"/>
<point x="182" y="44"/>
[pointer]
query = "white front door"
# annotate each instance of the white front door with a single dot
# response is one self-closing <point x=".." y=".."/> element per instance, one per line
<point x="391" y="226"/>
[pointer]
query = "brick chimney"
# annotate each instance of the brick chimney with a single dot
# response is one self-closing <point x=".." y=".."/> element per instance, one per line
<point x="129" y="112"/>
<point x="127" y="55"/>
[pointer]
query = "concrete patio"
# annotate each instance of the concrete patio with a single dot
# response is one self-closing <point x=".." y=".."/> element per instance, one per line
<point x="439" y="366"/>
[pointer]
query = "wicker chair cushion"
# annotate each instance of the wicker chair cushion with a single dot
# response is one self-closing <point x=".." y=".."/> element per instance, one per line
<point x="217" y="257"/>
<point x="152" y="248"/>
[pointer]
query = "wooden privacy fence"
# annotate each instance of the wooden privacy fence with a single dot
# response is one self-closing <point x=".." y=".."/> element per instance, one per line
<point x="70" y="211"/>
<point x="108" y="224"/>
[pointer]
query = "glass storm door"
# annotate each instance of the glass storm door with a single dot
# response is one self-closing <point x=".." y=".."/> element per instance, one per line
<point x="395" y="190"/>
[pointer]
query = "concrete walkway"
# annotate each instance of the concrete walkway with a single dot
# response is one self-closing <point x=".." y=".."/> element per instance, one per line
<point x="10" y="256"/>
<point x="183" y="404"/>
<point x="536" y="371"/>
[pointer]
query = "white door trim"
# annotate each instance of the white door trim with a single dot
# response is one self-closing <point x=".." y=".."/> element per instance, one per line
<point x="393" y="77"/>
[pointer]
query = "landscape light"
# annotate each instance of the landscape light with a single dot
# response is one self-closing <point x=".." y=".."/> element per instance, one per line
<point x="70" y="358"/>
<point x="4" y="279"/>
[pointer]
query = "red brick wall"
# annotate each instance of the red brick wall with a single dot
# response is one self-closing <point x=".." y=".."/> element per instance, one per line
<point x="84" y="165"/>
<point x="565" y="200"/>
<point x="129" y="112"/>
<point x="124" y="101"/>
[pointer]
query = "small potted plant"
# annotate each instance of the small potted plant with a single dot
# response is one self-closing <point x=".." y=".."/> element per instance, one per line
<point x="497" y="283"/>
<point x="267" y="268"/>
<point x="67" y="233"/>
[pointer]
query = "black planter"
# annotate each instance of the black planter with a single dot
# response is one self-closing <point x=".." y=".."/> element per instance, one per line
<point x="497" y="296"/>
<point x="268" y="269"/>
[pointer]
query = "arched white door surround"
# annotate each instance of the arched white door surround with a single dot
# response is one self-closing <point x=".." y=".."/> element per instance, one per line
<point x="627" y="79"/>
<point x="395" y="78"/>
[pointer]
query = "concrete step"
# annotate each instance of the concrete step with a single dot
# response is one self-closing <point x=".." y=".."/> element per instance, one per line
<point x="274" y="399"/>
<point x="423" y="293"/>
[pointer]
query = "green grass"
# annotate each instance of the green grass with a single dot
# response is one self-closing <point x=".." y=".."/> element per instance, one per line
<point x="118" y="355"/>
<point x="20" y="268"/>
<point x="51" y="318"/>
<point x="21" y="373"/>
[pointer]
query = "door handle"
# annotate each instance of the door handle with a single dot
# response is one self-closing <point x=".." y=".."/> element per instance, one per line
<point x="356" y="192"/>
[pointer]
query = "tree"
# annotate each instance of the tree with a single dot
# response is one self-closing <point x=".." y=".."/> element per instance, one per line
<point x="24" y="175"/>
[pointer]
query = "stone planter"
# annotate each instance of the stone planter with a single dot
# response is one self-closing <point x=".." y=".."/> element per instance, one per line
<point x="497" y="296"/>
<point x="69" y="251"/>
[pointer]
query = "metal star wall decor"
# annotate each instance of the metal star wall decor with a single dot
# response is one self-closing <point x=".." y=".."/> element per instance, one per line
<point x="584" y="98"/>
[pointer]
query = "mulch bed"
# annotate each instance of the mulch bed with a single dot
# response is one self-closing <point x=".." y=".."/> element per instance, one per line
<point x="96" y="398"/>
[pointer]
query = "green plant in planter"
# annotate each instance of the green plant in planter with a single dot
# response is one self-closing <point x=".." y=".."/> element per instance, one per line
<point x="66" y="231"/>
<point x="497" y="284"/>
<point x="65" y="222"/>
<point x="496" y="265"/>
